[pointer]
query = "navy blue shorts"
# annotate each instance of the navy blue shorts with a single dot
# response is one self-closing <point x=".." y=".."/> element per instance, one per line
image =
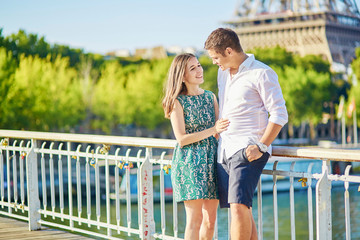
<point x="238" y="178"/>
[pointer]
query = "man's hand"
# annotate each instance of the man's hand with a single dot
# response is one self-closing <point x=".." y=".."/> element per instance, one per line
<point x="253" y="153"/>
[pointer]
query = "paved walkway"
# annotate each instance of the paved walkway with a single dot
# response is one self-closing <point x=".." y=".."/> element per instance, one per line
<point x="15" y="229"/>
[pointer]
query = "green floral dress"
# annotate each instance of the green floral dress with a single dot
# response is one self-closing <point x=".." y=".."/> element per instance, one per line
<point x="193" y="173"/>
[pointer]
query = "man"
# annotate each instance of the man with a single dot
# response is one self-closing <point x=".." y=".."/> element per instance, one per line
<point x="250" y="98"/>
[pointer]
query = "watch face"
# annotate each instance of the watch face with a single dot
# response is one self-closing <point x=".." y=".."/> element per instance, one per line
<point x="262" y="147"/>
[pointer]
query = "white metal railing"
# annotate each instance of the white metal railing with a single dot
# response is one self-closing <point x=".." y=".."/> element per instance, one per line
<point x="72" y="181"/>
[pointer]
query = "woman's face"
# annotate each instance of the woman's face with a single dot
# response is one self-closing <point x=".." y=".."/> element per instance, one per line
<point x="194" y="72"/>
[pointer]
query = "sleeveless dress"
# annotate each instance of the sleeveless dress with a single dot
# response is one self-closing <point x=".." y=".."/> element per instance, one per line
<point x="193" y="173"/>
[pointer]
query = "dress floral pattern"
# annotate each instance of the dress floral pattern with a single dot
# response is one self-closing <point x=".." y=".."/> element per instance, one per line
<point x="193" y="171"/>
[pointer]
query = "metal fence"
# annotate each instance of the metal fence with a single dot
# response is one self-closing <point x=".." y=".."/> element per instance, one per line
<point x="103" y="186"/>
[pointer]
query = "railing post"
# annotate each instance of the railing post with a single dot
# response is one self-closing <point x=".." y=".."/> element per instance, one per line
<point x="70" y="196"/>
<point x="32" y="189"/>
<point x="260" y="215"/>
<point x="147" y="228"/>
<point x="275" y="203"/>
<point x="323" y="205"/>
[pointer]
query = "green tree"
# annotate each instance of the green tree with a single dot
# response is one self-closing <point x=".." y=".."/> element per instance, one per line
<point x="354" y="91"/>
<point x="355" y="65"/>
<point x="313" y="62"/>
<point x="145" y="90"/>
<point x="45" y="95"/>
<point x="1" y="38"/>
<point x="275" y="56"/>
<point x="304" y="91"/>
<point x="28" y="44"/>
<point x="74" y="55"/>
<point x="210" y="74"/>
<point x="130" y="95"/>
<point x="32" y="45"/>
<point x="110" y="102"/>
<point x="7" y="70"/>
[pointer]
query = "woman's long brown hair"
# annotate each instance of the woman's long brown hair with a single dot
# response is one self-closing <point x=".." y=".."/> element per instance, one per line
<point x="175" y="85"/>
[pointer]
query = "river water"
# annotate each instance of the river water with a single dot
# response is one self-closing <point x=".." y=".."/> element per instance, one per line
<point x="301" y="216"/>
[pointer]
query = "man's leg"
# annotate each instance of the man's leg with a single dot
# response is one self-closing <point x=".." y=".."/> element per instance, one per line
<point x="241" y="222"/>
<point x="243" y="179"/>
<point x="254" y="234"/>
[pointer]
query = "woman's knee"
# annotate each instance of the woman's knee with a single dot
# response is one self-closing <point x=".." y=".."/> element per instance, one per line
<point x="194" y="222"/>
<point x="209" y="223"/>
<point x="209" y="213"/>
<point x="193" y="213"/>
<point x="209" y="218"/>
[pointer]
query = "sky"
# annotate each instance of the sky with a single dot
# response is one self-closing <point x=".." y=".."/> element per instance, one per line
<point x="108" y="25"/>
<point x="103" y="26"/>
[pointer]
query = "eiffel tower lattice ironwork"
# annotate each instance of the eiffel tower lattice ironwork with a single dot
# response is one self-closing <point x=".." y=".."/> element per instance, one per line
<point x="330" y="28"/>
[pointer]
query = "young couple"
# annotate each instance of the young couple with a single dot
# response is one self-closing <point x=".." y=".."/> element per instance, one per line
<point x="222" y="148"/>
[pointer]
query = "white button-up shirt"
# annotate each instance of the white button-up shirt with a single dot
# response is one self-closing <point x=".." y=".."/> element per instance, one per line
<point x="249" y="99"/>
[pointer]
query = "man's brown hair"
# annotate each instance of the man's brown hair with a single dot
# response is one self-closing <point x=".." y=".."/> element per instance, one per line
<point x="222" y="38"/>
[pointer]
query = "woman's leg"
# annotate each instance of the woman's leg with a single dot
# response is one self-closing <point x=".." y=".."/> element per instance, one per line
<point x="209" y="210"/>
<point x="193" y="210"/>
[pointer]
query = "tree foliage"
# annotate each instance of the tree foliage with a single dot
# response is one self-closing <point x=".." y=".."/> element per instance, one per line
<point x="313" y="62"/>
<point x="110" y="97"/>
<point x="304" y="93"/>
<point x="354" y="92"/>
<point x="29" y="44"/>
<point x="276" y="56"/>
<point x="130" y="94"/>
<point x="7" y="71"/>
<point x="210" y="74"/>
<point x="57" y="88"/>
<point x="355" y="65"/>
<point x="44" y="95"/>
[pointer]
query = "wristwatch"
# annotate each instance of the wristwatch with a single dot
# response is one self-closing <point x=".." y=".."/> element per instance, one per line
<point x="262" y="147"/>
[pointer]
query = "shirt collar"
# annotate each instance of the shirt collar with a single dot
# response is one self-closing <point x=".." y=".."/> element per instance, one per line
<point x="247" y="63"/>
<point x="244" y="65"/>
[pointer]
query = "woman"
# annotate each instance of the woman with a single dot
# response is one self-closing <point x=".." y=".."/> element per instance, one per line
<point x="193" y="112"/>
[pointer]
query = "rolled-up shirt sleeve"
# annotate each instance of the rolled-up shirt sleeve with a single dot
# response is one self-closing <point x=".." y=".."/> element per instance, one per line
<point x="272" y="97"/>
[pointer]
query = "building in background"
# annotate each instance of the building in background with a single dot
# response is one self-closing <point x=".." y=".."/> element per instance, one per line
<point x="151" y="53"/>
<point x="118" y="53"/>
<point x="158" y="52"/>
<point x="330" y="28"/>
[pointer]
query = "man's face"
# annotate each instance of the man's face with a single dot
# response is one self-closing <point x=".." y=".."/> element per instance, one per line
<point x="219" y="59"/>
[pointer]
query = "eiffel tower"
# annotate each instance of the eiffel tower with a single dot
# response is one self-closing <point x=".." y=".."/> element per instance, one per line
<point x="330" y="28"/>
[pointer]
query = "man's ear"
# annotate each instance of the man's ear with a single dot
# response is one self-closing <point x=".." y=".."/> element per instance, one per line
<point x="228" y="51"/>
